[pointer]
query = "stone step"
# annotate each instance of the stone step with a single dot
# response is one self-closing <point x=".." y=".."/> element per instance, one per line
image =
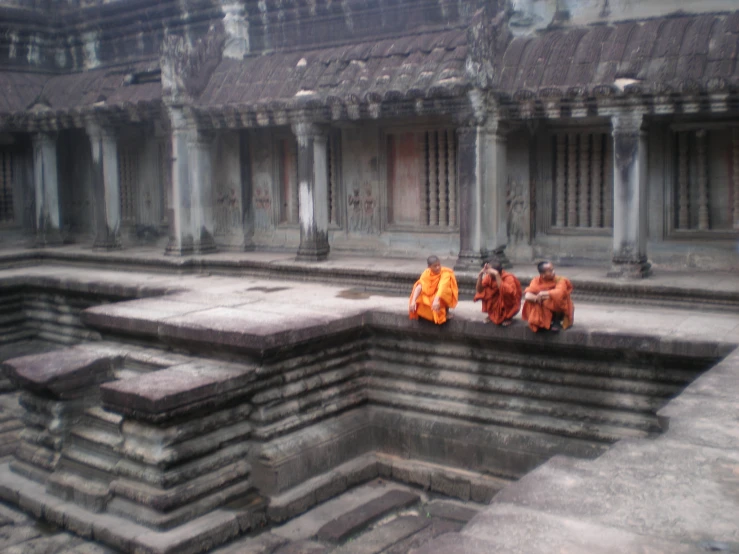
<point x="346" y="525"/>
<point x="668" y="370"/>
<point x="102" y="439"/>
<point x="523" y="372"/>
<point x="322" y="487"/>
<point x="385" y="536"/>
<point x="82" y="490"/>
<point x="350" y="367"/>
<point x="559" y="410"/>
<point x="523" y="389"/>
<point x="449" y="481"/>
<point x="468" y="412"/>
<point x="165" y="500"/>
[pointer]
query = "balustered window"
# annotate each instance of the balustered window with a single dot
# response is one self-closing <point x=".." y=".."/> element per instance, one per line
<point x="333" y="163"/>
<point x="706" y="180"/>
<point x="7" y="175"/>
<point x="422" y="178"/>
<point x="128" y="173"/>
<point x="583" y="180"/>
<point x="164" y="176"/>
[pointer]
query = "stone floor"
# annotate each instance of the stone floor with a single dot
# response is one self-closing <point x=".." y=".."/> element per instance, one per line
<point x="679" y="493"/>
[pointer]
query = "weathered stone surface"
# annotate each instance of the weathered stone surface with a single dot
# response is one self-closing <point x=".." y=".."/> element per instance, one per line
<point x="449" y="510"/>
<point x="349" y="523"/>
<point x="436" y="528"/>
<point x="385" y="535"/>
<point x="302" y="547"/>
<point x="10" y="535"/>
<point x="266" y="543"/>
<point x="174" y="387"/>
<point x="61" y="371"/>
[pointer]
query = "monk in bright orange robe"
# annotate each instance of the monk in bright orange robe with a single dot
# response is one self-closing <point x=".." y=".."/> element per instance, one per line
<point x="500" y="293"/>
<point x="548" y="304"/>
<point x="434" y="294"/>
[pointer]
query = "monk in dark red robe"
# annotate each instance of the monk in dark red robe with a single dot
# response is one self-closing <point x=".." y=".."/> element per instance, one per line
<point x="500" y="293"/>
<point x="548" y="304"/>
<point x="434" y="294"/>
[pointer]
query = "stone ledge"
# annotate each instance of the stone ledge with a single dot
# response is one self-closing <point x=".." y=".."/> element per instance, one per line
<point x="61" y="372"/>
<point x="200" y="534"/>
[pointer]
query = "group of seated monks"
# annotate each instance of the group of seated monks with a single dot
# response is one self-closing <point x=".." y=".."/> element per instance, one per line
<point x="547" y="300"/>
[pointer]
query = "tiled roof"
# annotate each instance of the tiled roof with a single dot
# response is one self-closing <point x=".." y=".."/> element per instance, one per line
<point x="670" y="53"/>
<point x="425" y="64"/>
<point x="75" y="90"/>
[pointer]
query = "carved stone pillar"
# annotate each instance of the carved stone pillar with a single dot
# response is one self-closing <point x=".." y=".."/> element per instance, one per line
<point x="495" y="216"/>
<point x="433" y="180"/>
<point x="629" y="197"/>
<point x="583" y="217"/>
<point x="452" y="171"/>
<point x="201" y="192"/>
<point x="312" y="191"/>
<point x="703" y="219"/>
<point x="683" y="175"/>
<point x="106" y="187"/>
<point x="443" y="185"/>
<point x="46" y="188"/>
<point x="572" y="180"/>
<point x="180" y="228"/>
<point x="560" y="179"/>
<point x="596" y="181"/>
<point x="470" y="175"/>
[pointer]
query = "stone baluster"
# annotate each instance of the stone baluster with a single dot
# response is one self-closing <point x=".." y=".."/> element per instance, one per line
<point x="703" y="221"/>
<point x="735" y="160"/>
<point x="452" y="171"/>
<point x="433" y="180"/>
<point x="180" y="229"/>
<point x="443" y="186"/>
<point x="106" y="186"/>
<point x="596" y="181"/>
<point x="202" y="219"/>
<point x="572" y="180"/>
<point x="560" y="179"/>
<point x="629" y="196"/>
<point x="608" y="185"/>
<point x="584" y="207"/>
<point x="683" y="176"/>
<point x="46" y="188"/>
<point x="313" y="191"/>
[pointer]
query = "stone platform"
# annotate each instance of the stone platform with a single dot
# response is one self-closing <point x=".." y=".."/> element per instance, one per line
<point x="200" y="408"/>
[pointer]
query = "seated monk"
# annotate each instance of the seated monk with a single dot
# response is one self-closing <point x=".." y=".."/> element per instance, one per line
<point x="500" y="293"/>
<point x="547" y="301"/>
<point x="434" y="294"/>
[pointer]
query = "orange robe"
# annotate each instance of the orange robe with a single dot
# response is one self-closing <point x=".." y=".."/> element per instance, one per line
<point x="539" y="316"/>
<point x="443" y="285"/>
<point x="501" y="303"/>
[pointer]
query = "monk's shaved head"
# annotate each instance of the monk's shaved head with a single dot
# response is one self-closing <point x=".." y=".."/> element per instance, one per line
<point x="494" y="262"/>
<point x="542" y="266"/>
<point x="431" y="260"/>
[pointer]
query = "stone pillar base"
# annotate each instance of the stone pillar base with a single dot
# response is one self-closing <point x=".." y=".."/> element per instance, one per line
<point x="52" y="237"/>
<point x="107" y="243"/>
<point x="630" y="269"/>
<point x="206" y="244"/>
<point x="470" y="261"/>
<point x="179" y="249"/>
<point x="312" y="253"/>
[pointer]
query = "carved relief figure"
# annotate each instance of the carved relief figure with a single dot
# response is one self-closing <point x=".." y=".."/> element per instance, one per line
<point x="516" y="203"/>
<point x="262" y="208"/>
<point x="355" y="211"/>
<point x="228" y="212"/>
<point x="368" y="214"/>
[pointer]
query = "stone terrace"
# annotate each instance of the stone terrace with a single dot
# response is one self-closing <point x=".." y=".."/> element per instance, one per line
<point x="190" y="343"/>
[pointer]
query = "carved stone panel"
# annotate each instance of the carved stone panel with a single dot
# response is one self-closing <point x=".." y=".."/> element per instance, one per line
<point x="360" y="172"/>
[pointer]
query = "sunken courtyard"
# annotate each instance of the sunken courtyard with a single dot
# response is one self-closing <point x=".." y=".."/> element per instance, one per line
<point x="212" y="213"/>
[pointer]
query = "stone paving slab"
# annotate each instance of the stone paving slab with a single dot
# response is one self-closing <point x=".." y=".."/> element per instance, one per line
<point x="349" y="523"/>
<point x="385" y="535"/>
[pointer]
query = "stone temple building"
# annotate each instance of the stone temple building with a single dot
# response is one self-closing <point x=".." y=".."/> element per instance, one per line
<point x="601" y="131"/>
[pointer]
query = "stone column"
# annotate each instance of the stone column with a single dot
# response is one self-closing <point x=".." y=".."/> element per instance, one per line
<point x="105" y="186"/>
<point x="470" y="176"/>
<point x="46" y="187"/>
<point x="201" y="192"/>
<point x="495" y="189"/>
<point x="180" y="230"/>
<point x="312" y="191"/>
<point x="629" y="197"/>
